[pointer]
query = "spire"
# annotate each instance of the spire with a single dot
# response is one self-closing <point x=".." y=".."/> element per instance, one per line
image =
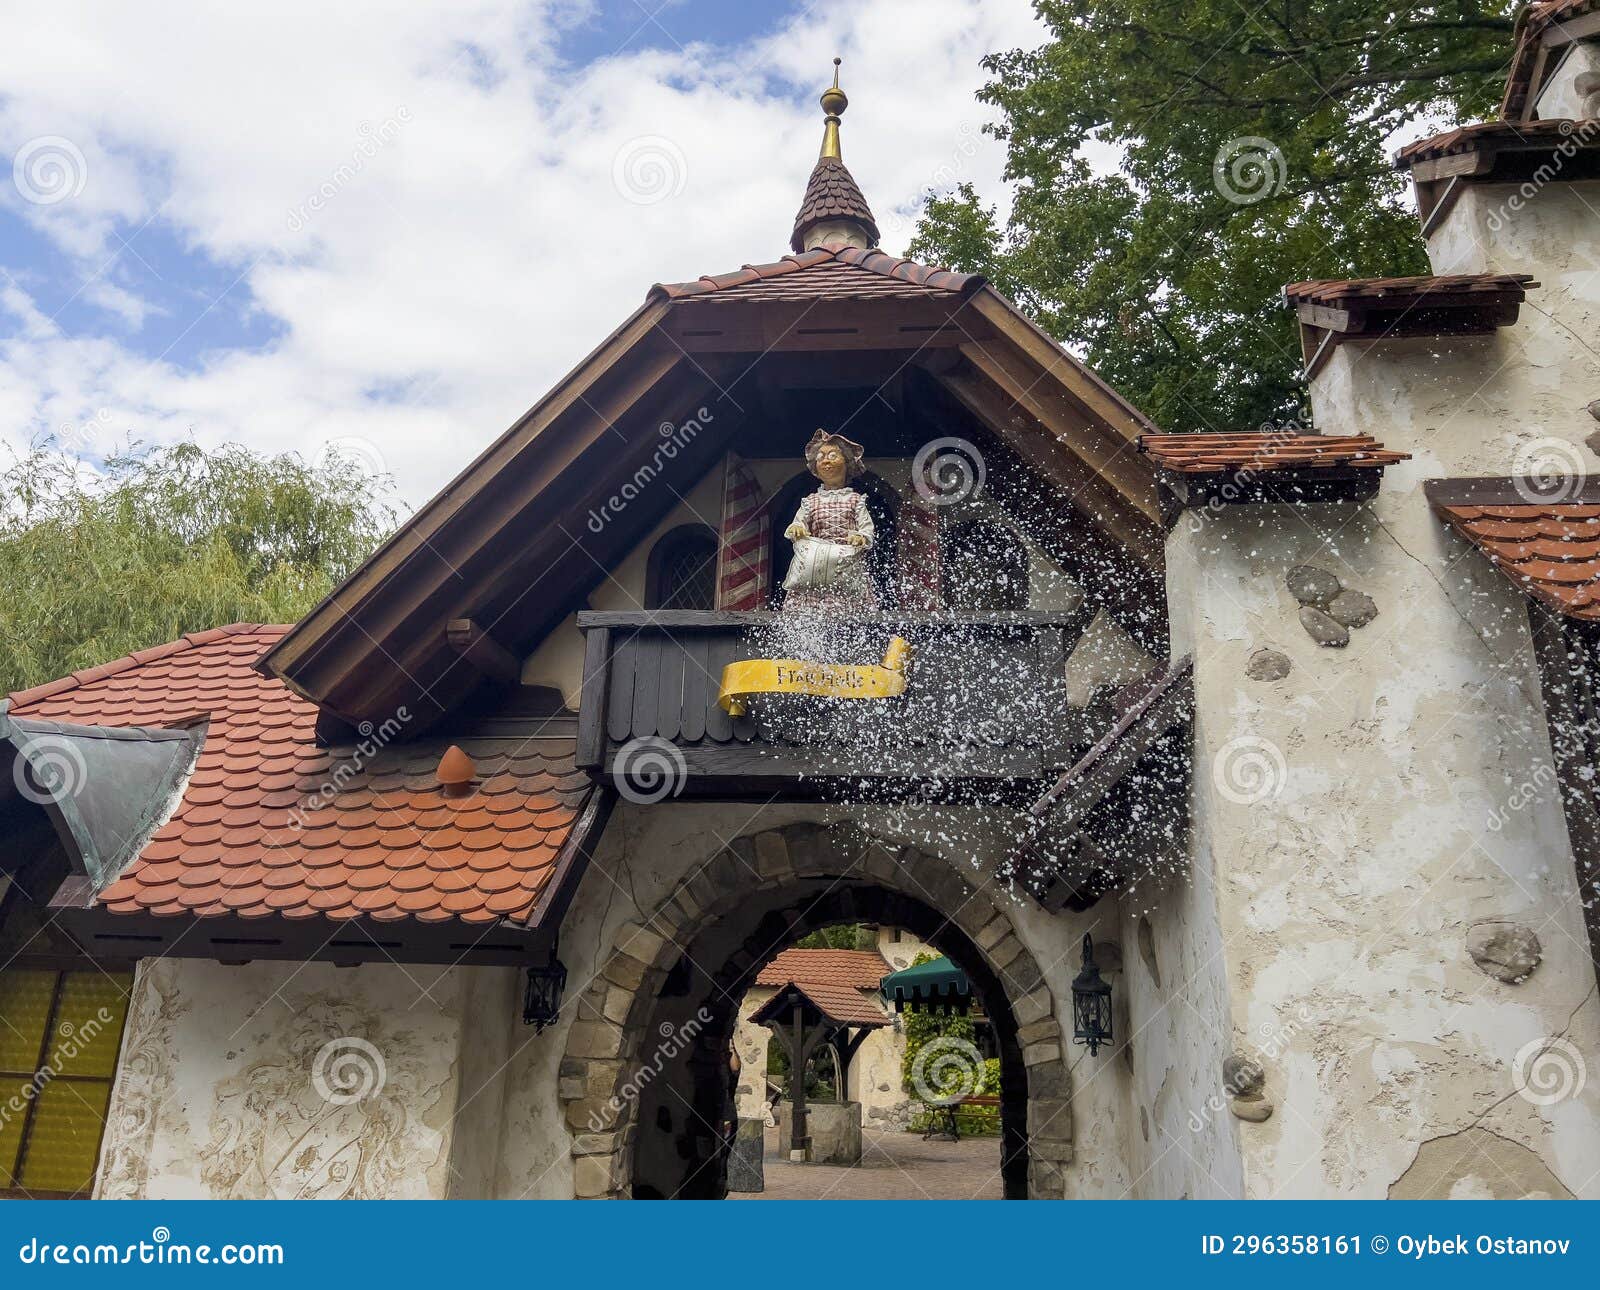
<point x="833" y="209"/>
<point x="833" y="105"/>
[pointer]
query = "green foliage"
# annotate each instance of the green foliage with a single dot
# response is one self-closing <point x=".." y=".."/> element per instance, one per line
<point x="1166" y="286"/>
<point x="167" y="541"/>
<point x="947" y="1079"/>
<point x="842" y="936"/>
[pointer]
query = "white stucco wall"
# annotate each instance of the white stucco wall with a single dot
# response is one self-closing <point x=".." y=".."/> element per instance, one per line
<point x="280" y="1080"/>
<point x="1572" y="91"/>
<point x="1344" y="813"/>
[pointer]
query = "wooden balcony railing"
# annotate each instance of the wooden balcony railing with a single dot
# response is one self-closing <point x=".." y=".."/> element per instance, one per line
<point x="985" y="702"/>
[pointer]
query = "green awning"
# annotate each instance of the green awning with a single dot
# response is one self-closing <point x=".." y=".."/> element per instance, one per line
<point x="937" y="984"/>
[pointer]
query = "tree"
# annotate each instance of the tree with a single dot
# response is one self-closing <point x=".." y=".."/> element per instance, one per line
<point x="841" y="936"/>
<point x="168" y="541"/>
<point x="1253" y="152"/>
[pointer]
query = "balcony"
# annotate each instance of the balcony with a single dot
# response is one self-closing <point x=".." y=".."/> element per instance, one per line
<point x="985" y="708"/>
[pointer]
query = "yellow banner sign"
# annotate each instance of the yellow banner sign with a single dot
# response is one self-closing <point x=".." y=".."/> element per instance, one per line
<point x="821" y="680"/>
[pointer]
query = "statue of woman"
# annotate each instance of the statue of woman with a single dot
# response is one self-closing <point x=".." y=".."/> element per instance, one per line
<point x="832" y="532"/>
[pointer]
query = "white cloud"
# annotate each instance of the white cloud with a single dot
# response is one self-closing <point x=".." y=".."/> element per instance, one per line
<point x="423" y="197"/>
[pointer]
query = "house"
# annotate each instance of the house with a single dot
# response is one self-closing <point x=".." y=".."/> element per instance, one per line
<point x="1295" y="727"/>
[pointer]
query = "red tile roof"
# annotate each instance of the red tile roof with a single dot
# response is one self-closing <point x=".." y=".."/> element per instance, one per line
<point x="1494" y="136"/>
<point x="834" y="271"/>
<point x="831" y="194"/>
<point x="271" y="823"/>
<point x="1532" y="25"/>
<point x="842" y="1003"/>
<point x="1205" y="454"/>
<point x="1397" y="292"/>
<point x="857" y="969"/>
<point x="1549" y="550"/>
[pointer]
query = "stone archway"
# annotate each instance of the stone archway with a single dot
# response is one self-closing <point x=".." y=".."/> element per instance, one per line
<point x="618" y="1046"/>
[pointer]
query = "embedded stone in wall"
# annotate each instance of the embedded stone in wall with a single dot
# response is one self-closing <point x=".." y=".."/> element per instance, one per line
<point x="1311" y="585"/>
<point x="1267" y="665"/>
<point x="1323" y="628"/>
<point x="1508" y="952"/>
<point x="1594" y="411"/>
<point x="1242" y="1075"/>
<point x="1256" y="1110"/>
<point x="1352" y="608"/>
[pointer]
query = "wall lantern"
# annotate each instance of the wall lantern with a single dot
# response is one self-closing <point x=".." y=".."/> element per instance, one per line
<point x="1091" y="1003"/>
<point x="542" y="1003"/>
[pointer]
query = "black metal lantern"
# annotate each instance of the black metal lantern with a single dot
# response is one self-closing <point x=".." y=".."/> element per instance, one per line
<point x="542" y="1003"/>
<point x="1091" y="1003"/>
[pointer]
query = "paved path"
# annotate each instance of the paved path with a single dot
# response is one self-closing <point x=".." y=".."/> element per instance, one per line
<point x="894" y="1166"/>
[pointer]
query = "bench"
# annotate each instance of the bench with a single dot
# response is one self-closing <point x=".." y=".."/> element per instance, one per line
<point x="942" y="1115"/>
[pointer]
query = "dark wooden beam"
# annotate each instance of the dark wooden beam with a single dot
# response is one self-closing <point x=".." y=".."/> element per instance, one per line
<point x="1073" y="425"/>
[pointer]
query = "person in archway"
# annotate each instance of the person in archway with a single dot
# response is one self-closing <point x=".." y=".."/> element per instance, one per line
<point x="832" y="532"/>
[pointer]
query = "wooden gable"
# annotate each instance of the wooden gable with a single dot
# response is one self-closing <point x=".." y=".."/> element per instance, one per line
<point x="514" y="543"/>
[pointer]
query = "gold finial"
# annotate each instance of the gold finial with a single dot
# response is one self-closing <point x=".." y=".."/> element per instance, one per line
<point x="833" y="105"/>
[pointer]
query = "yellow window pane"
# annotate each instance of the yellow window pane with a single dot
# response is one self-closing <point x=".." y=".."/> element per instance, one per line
<point x="13" y="1114"/>
<point x="64" y="1140"/>
<point x="88" y="1024"/>
<point x="24" y="1011"/>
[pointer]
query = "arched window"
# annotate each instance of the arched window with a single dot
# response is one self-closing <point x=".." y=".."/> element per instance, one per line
<point x="682" y="573"/>
<point x="983" y="566"/>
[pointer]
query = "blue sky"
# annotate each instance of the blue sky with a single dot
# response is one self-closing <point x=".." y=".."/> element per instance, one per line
<point x="396" y="228"/>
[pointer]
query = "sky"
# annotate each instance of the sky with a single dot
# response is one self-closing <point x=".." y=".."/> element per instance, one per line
<point x="388" y="229"/>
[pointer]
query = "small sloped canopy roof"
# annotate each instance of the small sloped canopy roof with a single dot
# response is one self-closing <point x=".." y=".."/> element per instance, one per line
<point x="105" y="789"/>
<point x="1550" y="550"/>
<point x="926" y="983"/>
<point x="834" y="1005"/>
